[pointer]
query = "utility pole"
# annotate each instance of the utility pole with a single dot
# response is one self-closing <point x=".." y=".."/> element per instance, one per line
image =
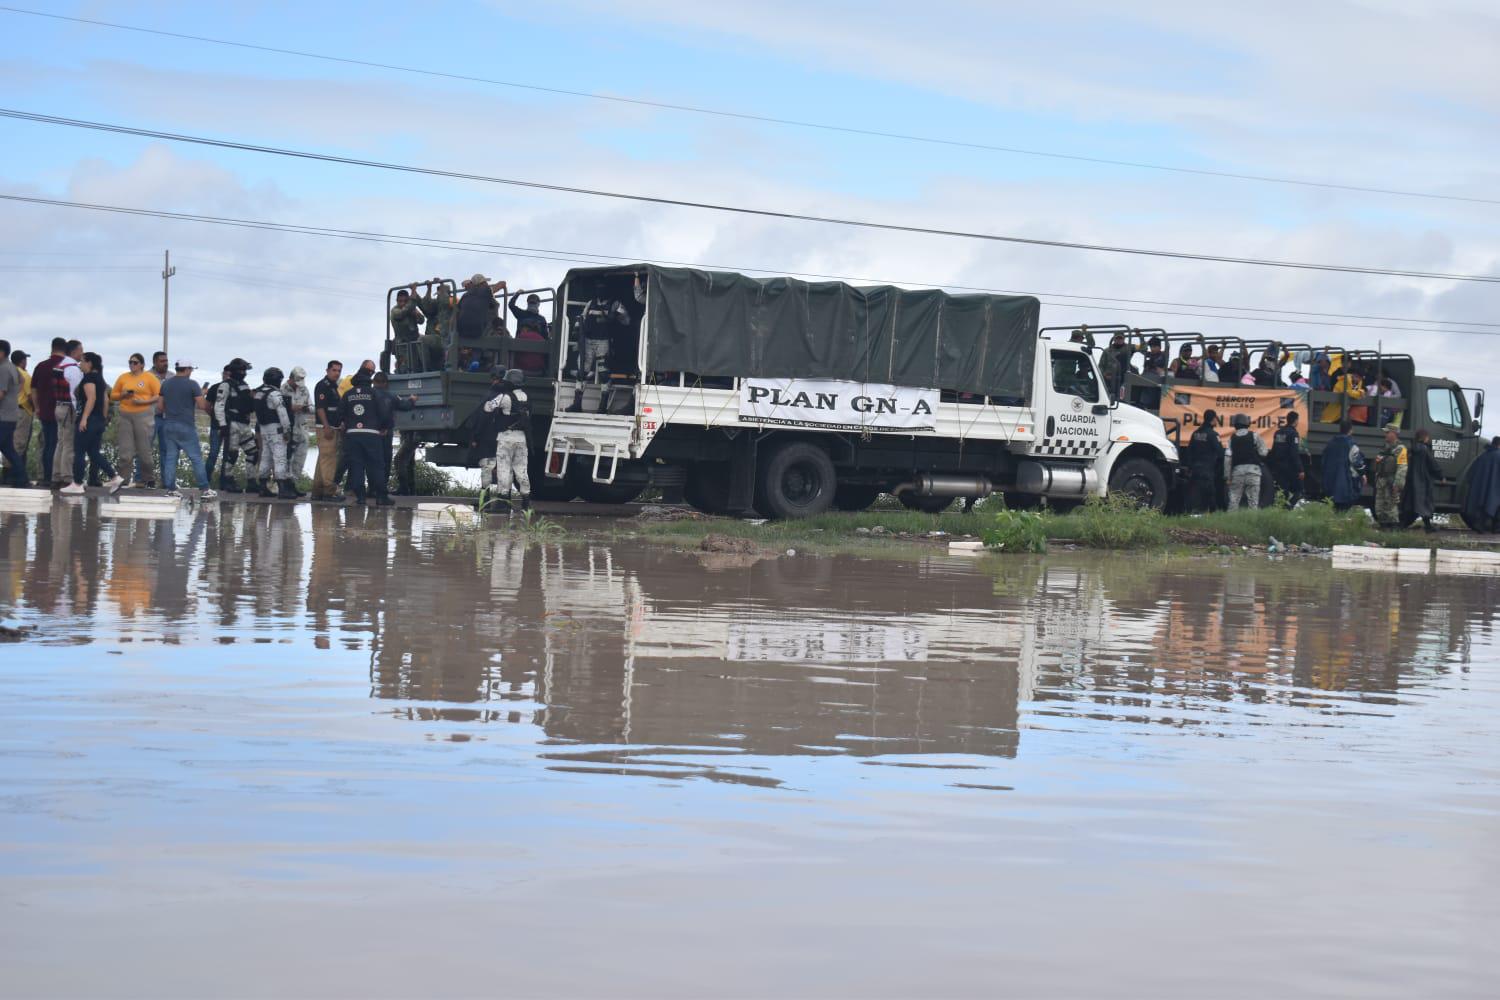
<point x="167" y="270"/>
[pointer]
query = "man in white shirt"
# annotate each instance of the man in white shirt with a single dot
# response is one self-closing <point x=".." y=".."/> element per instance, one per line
<point x="67" y="376"/>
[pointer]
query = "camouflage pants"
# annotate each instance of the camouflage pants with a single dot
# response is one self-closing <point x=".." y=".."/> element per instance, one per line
<point x="240" y="441"/>
<point x="1387" y="505"/>
<point x="593" y="357"/>
<point x="272" y="464"/>
<point x="1244" y="482"/>
<point x="296" y="449"/>
<point x="510" y="464"/>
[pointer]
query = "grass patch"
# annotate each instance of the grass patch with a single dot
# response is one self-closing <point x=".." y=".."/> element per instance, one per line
<point x="1311" y="524"/>
<point x="1114" y="522"/>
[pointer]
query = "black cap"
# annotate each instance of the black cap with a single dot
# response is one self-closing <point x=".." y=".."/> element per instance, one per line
<point x="18" y="357"/>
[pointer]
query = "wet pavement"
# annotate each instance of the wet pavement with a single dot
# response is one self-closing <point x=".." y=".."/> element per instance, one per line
<point x="314" y="751"/>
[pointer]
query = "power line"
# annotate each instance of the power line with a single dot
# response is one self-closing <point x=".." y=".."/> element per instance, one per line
<point x="760" y="118"/>
<point x="733" y="209"/>
<point x="580" y="257"/>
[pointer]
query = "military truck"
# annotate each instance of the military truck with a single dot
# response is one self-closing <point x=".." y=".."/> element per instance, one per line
<point x="450" y="394"/>
<point x="790" y="398"/>
<point x="1450" y="412"/>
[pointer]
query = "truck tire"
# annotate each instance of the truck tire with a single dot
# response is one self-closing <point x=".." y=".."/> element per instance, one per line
<point x="853" y="496"/>
<point x="1140" y="479"/>
<point x="797" y="480"/>
<point x="927" y="505"/>
<point x="707" y="488"/>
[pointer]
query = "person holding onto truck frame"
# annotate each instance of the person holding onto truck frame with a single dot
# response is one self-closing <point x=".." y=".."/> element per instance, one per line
<point x="439" y="306"/>
<point x="510" y="411"/>
<point x="531" y="325"/>
<point x="405" y="319"/>
<point x="1343" y="468"/>
<point x="1246" y="453"/>
<point x="600" y="324"/>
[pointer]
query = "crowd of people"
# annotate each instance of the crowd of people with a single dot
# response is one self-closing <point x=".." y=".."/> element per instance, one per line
<point x="425" y="324"/>
<point x="258" y="437"/>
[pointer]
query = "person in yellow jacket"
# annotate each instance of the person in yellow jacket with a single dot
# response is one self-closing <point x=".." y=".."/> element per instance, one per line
<point x="136" y="392"/>
<point x="1345" y="383"/>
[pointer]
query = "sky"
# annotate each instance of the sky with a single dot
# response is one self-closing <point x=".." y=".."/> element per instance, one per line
<point x="1370" y="94"/>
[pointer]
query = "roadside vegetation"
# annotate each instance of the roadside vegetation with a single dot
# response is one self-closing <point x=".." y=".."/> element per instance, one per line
<point x="1108" y="523"/>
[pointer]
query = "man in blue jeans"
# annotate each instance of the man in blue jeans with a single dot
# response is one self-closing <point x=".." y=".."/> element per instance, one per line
<point x="181" y="399"/>
<point x="159" y="369"/>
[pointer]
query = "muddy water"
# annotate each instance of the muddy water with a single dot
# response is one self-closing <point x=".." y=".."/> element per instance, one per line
<point x="314" y="752"/>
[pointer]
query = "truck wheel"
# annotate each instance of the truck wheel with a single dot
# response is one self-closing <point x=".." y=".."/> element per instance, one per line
<point x="927" y="505"/>
<point x="1140" y="479"/>
<point x="707" y="488"/>
<point x="852" y="496"/>
<point x="797" y="480"/>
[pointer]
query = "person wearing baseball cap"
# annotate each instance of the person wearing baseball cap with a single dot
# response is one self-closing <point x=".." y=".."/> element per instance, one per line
<point x="181" y="399"/>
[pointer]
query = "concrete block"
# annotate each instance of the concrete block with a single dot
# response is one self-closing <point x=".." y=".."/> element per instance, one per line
<point x="966" y="547"/>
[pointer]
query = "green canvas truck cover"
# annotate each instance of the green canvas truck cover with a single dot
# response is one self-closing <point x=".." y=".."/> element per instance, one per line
<point x="714" y="323"/>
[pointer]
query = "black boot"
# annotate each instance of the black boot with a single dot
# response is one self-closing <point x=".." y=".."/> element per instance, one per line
<point x="384" y="501"/>
<point x="525" y="502"/>
<point x="287" y="490"/>
<point x="263" y="488"/>
<point x="226" y="484"/>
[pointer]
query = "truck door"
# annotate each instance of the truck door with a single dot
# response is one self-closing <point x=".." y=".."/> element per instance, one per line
<point x="1076" y="419"/>
<point x="1448" y="421"/>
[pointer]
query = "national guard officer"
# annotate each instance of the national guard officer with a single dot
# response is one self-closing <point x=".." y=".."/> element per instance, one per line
<point x="365" y="422"/>
<point x="275" y="421"/>
<point x="300" y="404"/>
<point x="1286" y="459"/>
<point x="1246" y="450"/>
<point x="235" y="410"/>
<point x="511" y="412"/>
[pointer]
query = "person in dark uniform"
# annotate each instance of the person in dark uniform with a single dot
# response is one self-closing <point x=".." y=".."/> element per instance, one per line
<point x="1205" y="462"/>
<point x="216" y="430"/>
<point x="406" y="473"/>
<point x="365" y="421"/>
<point x="1286" y="459"/>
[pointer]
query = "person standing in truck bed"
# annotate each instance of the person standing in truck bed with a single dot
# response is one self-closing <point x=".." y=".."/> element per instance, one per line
<point x="531" y="325"/>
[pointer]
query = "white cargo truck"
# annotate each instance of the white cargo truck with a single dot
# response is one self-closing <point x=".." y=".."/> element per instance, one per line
<point x="789" y="398"/>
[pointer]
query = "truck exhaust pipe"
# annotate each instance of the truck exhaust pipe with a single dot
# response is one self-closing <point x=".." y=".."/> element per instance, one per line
<point x="927" y="485"/>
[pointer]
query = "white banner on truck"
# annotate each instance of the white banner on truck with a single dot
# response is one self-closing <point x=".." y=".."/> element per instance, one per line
<point x="837" y="405"/>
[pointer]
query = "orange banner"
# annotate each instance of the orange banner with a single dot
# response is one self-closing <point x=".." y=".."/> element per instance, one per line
<point x="1267" y="407"/>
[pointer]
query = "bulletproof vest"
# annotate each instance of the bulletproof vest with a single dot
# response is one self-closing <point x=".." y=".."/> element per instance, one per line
<point x="1242" y="450"/>
<point x="267" y="405"/>
<point x="364" y="414"/>
<point x="519" y="417"/>
<point x="240" y="405"/>
<point x="1204" y="449"/>
<point x="597" y="319"/>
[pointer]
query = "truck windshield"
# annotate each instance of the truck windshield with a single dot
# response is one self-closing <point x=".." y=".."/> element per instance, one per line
<point x="1073" y="375"/>
<point x="1443" y="406"/>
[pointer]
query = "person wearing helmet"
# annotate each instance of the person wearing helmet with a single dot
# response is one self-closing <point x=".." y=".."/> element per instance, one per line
<point x="1246" y="453"/>
<point x="511" y="413"/>
<point x="235" y="408"/>
<point x="275" y="423"/>
<point x="300" y="405"/>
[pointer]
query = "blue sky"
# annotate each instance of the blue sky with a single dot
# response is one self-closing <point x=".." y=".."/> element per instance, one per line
<point x="1367" y="93"/>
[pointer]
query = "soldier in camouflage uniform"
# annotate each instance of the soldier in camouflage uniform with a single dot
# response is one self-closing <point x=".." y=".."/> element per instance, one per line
<point x="405" y="320"/>
<point x="1390" y="478"/>
<point x="441" y="310"/>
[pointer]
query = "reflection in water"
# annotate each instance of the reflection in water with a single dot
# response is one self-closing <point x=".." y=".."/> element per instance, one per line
<point x="624" y="653"/>
<point x="295" y="732"/>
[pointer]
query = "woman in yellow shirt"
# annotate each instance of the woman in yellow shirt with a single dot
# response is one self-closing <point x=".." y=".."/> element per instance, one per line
<point x="137" y="392"/>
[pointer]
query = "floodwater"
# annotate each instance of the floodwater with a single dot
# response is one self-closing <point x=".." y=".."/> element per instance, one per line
<point x="294" y="751"/>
